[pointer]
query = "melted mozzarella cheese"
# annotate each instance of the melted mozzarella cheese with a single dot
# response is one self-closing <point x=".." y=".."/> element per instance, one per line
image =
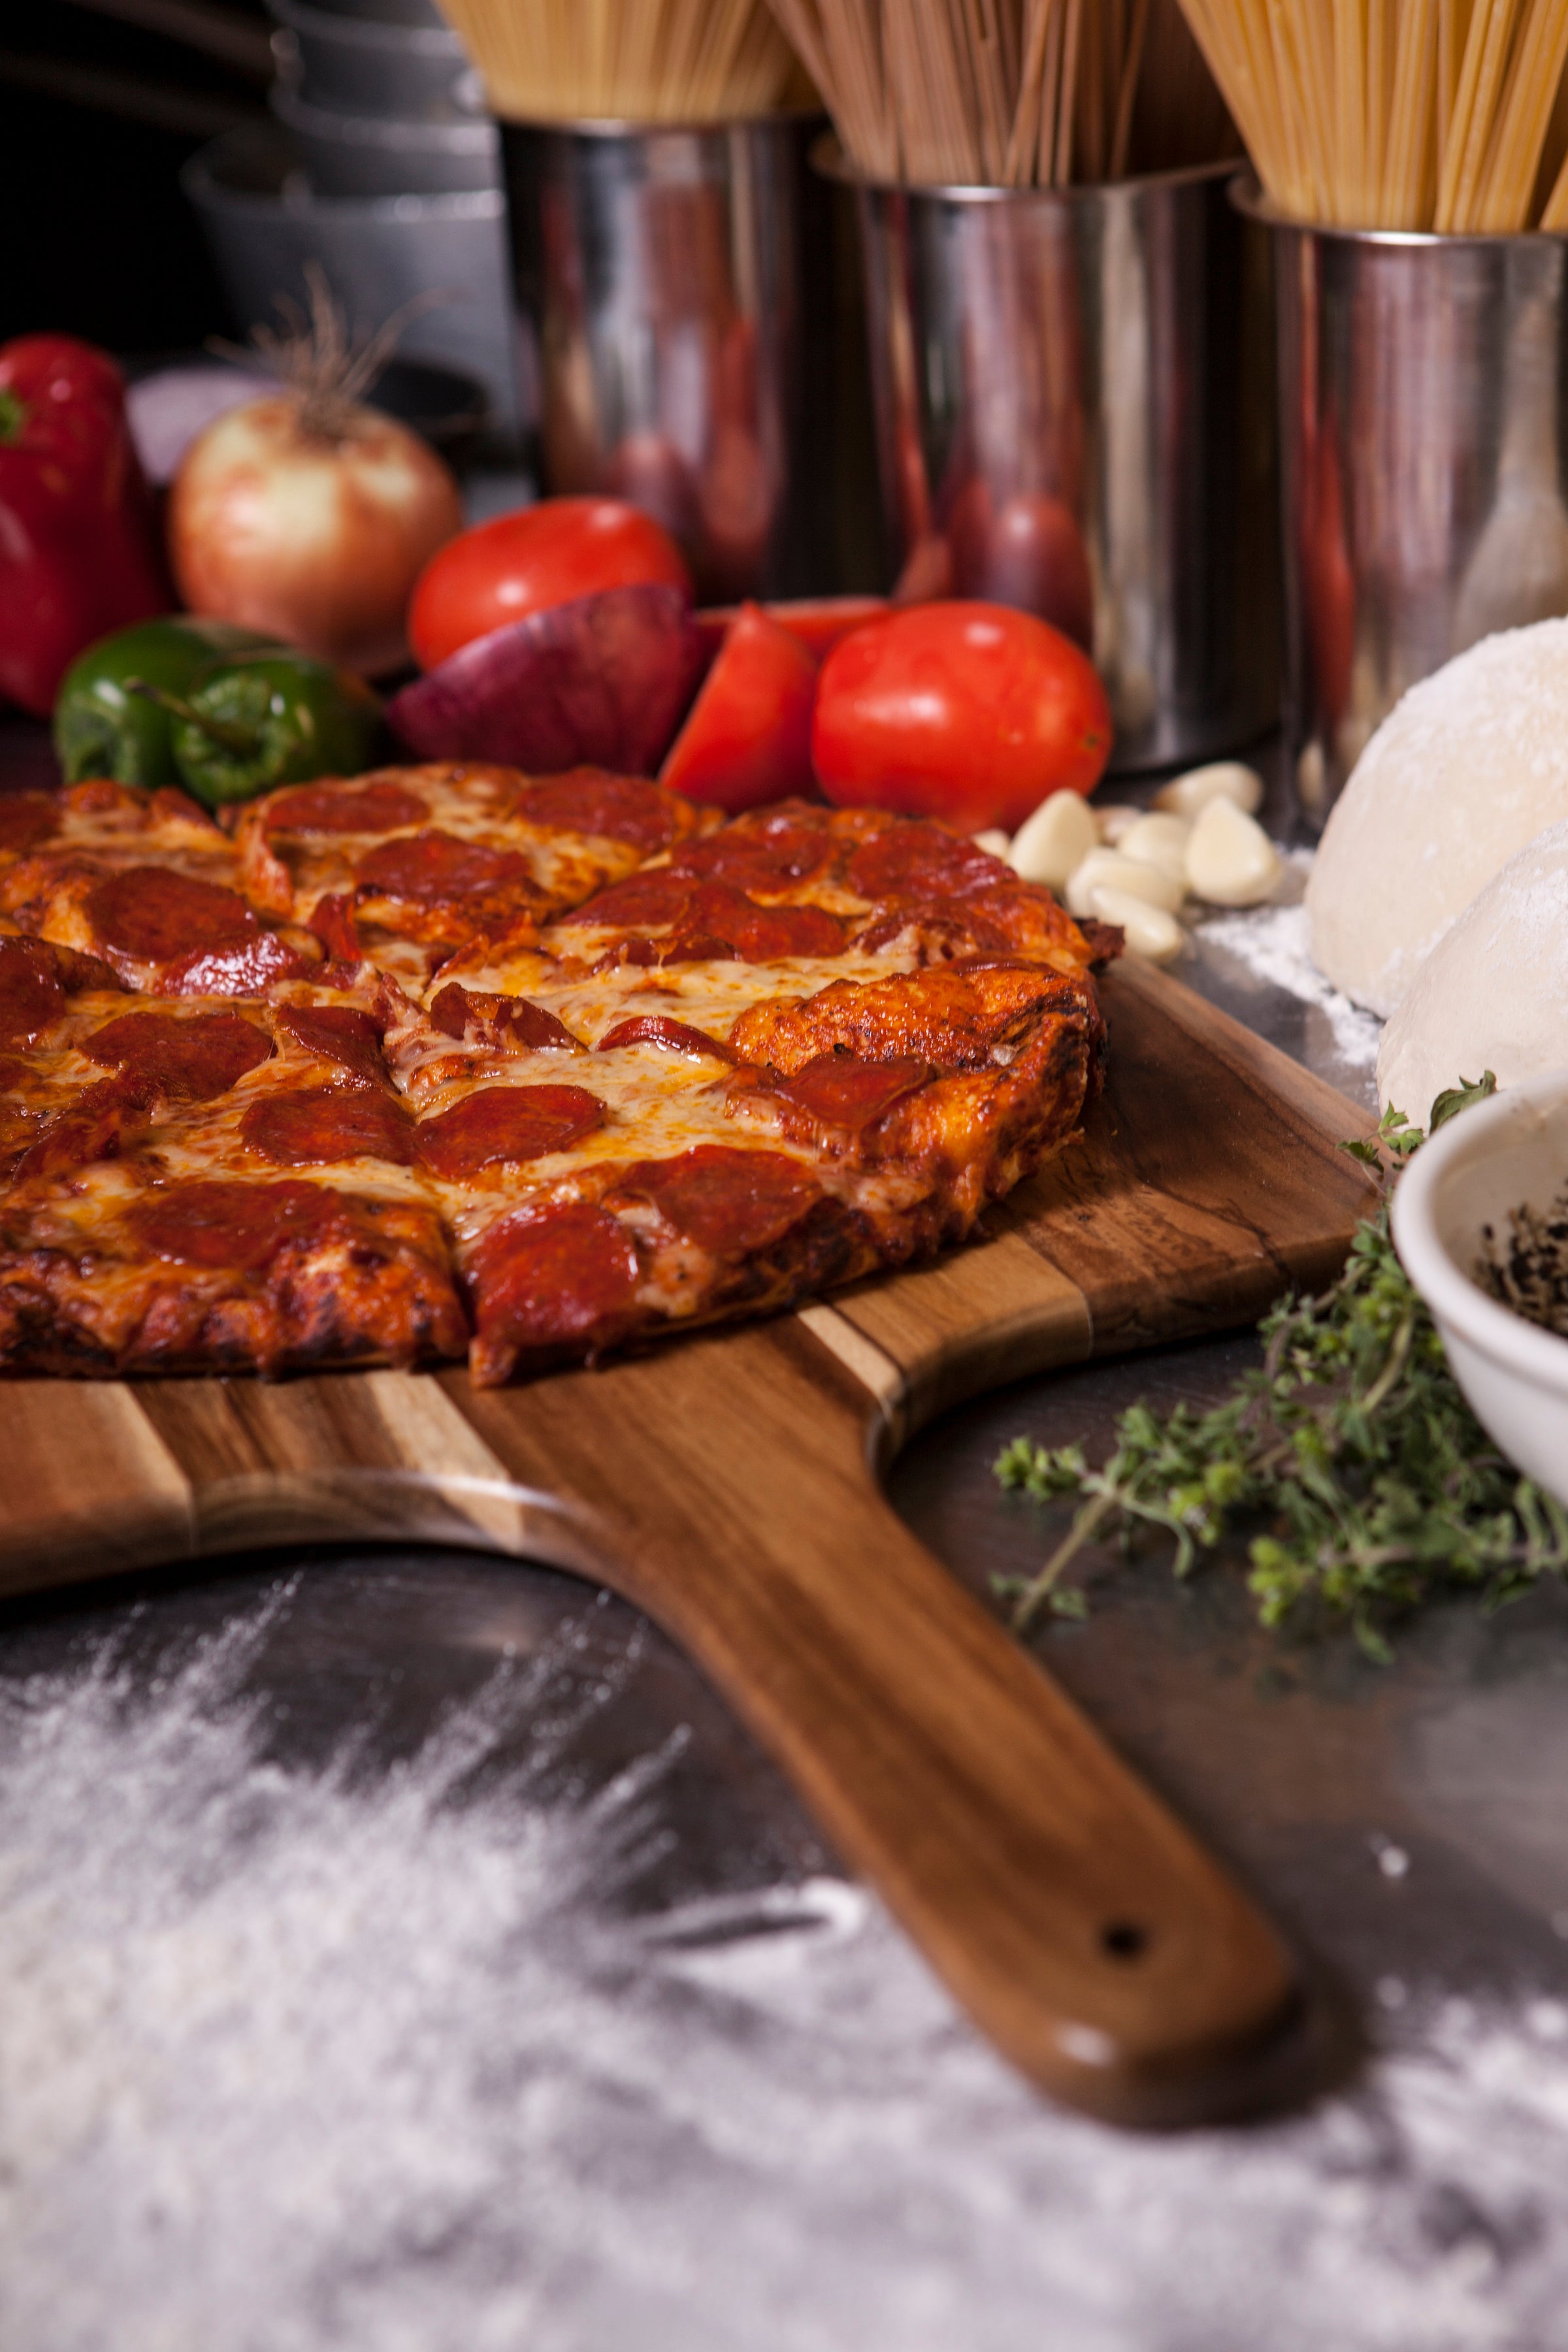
<point x="709" y="996"/>
<point x="568" y="868"/>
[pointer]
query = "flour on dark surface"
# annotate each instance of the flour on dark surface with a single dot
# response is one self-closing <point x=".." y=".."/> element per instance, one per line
<point x="1268" y="948"/>
<point x="378" y="2053"/>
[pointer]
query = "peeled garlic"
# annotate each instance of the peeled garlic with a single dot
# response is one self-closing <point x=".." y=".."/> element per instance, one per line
<point x="993" y="841"/>
<point x="1222" y="780"/>
<point x="1057" y="837"/>
<point x="1159" y="841"/>
<point x="1114" y="821"/>
<point x="1108" y="869"/>
<point x="1148" y="930"/>
<point x="1230" y="859"/>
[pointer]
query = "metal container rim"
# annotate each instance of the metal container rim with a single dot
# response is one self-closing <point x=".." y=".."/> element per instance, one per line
<point x="827" y="158"/>
<point x="202" y="186"/>
<point x="607" y="127"/>
<point x="366" y="32"/>
<point x="396" y="134"/>
<point x="1247" y="196"/>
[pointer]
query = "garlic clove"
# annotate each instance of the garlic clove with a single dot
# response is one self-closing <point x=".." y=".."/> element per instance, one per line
<point x="1230" y="859"/>
<point x="1114" y="821"/>
<point x="1108" y="869"/>
<point x="1160" y="841"/>
<point x="994" y="841"/>
<point x="1057" y="837"/>
<point x="1222" y="780"/>
<point x="1148" y="931"/>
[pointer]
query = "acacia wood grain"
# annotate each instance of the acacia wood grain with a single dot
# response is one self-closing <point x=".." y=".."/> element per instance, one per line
<point x="727" y="1486"/>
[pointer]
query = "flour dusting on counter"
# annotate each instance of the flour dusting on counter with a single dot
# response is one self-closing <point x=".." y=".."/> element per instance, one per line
<point x="1271" y="945"/>
<point x="308" y="2057"/>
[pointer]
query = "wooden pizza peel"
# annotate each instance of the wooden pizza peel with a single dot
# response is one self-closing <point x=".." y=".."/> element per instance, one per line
<point x="729" y="1485"/>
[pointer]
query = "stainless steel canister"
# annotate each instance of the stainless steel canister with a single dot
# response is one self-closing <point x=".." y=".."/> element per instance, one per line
<point x="1423" y="422"/>
<point x="674" y="295"/>
<point x="1074" y="400"/>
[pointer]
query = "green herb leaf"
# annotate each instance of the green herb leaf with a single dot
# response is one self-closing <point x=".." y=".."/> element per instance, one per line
<point x="1350" y="1457"/>
<point x="1454" y="1099"/>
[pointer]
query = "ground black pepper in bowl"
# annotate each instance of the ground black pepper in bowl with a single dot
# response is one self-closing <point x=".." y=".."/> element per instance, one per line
<point x="1530" y="1275"/>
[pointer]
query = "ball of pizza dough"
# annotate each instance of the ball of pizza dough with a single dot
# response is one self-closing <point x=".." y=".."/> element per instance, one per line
<point x="1493" y="994"/>
<point x="1470" y="765"/>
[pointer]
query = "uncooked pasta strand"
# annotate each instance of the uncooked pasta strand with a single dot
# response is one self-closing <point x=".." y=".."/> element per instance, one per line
<point x="1407" y="114"/>
<point x="647" y="60"/>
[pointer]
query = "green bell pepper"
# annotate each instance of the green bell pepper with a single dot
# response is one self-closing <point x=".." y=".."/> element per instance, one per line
<point x="270" y="718"/>
<point x="103" y="729"/>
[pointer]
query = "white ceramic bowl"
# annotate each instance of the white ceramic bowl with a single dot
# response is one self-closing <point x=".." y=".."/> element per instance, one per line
<point x="1505" y="1154"/>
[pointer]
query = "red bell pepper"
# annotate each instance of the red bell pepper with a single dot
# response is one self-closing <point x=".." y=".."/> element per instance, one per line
<point x="78" y="542"/>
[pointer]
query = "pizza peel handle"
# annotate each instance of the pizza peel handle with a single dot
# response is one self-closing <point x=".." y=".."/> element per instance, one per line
<point x="727" y="1491"/>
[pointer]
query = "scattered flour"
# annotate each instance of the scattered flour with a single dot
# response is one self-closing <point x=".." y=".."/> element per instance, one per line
<point x="1273" y="944"/>
<point x="296" y="2060"/>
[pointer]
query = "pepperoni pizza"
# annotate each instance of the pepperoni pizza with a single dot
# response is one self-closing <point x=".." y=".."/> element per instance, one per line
<point x="446" y="1060"/>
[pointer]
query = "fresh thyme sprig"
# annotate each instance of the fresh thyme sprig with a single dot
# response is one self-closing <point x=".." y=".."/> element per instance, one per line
<point x="1368" y="1482"/>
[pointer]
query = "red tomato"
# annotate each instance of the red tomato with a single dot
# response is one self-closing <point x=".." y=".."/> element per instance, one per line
<point x="747" y="736"/>
<point x="525" y="562"/>
<point x="970" y="713"/>
<point x="818" y="622"/>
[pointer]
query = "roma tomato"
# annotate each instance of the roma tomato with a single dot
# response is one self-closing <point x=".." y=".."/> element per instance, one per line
<point x="526" y="562"/>
<point x="967" y="711"/>
<point x="747" y="736"/>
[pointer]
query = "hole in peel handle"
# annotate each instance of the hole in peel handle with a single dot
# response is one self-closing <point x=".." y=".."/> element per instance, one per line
<point x="1292" y="2049"/>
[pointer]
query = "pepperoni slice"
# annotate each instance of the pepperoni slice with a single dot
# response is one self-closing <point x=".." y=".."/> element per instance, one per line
<point x="699" y="947"/>
<point x="842" y="1091"/>
<point x="499" y="1022"/>
<point x="26" y="820"/>
<point x="437" y="869"/>
<point x="500" y="1124"/>
<point x="920" y="861"/>
<point x="222" y="1223"/>
<point x="186" y="1061"/>
<point x="94" y="1128"/>
<point x="31" y="997"/>
<point x="344" y="808"/>
<point x="158" y="915"/>
<point x="332" y="920"/>
<point x="774" y="855"/>
<point x="637" y="953"/>
<point x="247" y="969"/>
<point x="79" y="970"/>
<point x="319" y="1126"/>
<point x="658" y="1029"/>
<point x="338" y="1033"/>
<point x="661" y="896"/>
<point x="550" y="1277"/>
<point x="722" y="916"/>
<point x="726" y="1201"/>
<point x="590" y="800"/>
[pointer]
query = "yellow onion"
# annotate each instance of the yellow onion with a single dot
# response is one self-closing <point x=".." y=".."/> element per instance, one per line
<point x="311" y="515"/>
